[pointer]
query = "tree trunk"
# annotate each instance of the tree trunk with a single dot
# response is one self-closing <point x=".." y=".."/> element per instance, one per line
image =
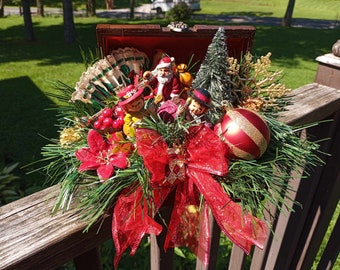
<point x="69" y="29"/>
<point x="287" y="19"/>
<point x="91" y="8"/>
<point x="132" y="9"/>
<point x="109" y="4"/>
<point x="28" y="20"/>
<point x="40" y="8"/>
<point x="2" y="12"/>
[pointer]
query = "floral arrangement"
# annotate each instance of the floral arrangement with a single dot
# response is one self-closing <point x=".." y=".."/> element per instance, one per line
<point x="127" y="147"/>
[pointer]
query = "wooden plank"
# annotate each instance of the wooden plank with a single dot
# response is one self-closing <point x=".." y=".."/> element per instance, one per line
<point x="329" y="59"/>
<point x="293" y="236"/>
<point x="328" y="72"/>
<point x="323" y="205"/>
<point x="283" y="217"/>
<point x="154" y="253"/>
<point x="312" y="102"/>
<point x="260" y="256"/>
<point x="159" y="258"/>
<point x="237" y="259"/>
<point x="328" y="75"/>
<point x="30" y="237"/>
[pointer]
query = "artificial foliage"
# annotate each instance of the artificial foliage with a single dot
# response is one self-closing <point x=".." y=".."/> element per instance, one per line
<point x="256" y="86"/>
<point x="213" y="74"/>
<point x="102" y="169"/>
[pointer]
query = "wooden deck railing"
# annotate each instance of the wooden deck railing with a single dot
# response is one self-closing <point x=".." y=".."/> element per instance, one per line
<point x="30" y="238"/>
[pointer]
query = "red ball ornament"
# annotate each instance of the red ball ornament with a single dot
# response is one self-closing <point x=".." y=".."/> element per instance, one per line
<point x="245" y="132"/>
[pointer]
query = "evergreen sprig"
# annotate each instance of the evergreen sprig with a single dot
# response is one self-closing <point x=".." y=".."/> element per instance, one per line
<point x="172" y="132"/>
<point x="97" y="198"/>
<point x="61" y="168"/>
<point x="256" y="183"/>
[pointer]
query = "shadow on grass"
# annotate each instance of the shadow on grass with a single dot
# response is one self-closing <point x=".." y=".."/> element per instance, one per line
<point x="50" y="49"/>
<point x="23" y="116"/>
<point x="248" y="14"/>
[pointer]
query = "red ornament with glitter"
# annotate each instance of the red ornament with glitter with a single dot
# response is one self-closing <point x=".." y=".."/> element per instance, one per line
<point x="245" y="132"/>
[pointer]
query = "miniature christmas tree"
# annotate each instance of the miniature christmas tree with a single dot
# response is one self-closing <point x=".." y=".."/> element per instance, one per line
<point x="213" y="76"/>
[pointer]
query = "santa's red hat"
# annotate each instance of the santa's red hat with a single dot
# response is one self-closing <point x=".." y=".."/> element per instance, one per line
<point x="165" y="62"/>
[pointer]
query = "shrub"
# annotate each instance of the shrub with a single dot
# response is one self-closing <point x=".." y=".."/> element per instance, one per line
<point x="179" y="12"/>
<point x="8" y="187"/>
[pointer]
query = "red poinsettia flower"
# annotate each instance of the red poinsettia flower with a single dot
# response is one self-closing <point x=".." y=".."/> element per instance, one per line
<point x="101" y="156"/>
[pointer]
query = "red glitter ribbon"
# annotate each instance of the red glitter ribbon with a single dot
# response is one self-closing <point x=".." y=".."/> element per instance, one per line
<point x="202" y="154"/>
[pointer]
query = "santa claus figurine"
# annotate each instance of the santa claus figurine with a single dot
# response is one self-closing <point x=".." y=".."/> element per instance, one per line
<point x="165" y="84"/>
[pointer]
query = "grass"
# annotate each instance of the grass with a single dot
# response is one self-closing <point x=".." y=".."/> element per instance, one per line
<point x="28" y="70"/>
<point x="312" y="9"/>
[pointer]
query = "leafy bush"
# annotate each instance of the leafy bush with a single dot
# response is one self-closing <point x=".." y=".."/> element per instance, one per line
<point x="8" y="187"/>
<point x="179" y="12"/>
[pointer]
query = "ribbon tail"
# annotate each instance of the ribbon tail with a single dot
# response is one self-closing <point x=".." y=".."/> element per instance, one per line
<point x="184" y="227"/>
<point x="241" y="227"/>
<point x="130" y="222"/>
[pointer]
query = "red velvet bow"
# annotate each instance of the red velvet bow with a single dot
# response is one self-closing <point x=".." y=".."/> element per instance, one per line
<point x="200" y="155"/>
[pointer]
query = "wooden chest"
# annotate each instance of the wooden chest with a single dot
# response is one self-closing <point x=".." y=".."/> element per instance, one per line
<point x="181" y="45"/>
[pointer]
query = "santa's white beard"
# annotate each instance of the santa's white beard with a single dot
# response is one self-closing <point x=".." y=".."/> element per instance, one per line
<point x="162" y="80"/>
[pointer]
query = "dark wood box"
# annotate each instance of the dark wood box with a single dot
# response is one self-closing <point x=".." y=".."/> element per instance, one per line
<point x="181" y="45"/>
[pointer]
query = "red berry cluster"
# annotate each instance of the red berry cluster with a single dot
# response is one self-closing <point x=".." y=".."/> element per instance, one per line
<point x="110" y="120"/>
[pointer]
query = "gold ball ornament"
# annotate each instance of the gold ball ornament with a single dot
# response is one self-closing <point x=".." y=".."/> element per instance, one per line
<point x="245" y="132"/>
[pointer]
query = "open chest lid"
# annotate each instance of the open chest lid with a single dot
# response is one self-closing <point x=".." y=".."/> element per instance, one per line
<point x="181" y="45"/>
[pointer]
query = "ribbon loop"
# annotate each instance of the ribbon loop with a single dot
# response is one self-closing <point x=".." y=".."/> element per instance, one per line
<point x="187" y="169"/>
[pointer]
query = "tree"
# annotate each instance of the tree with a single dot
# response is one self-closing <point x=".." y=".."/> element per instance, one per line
<point x="287" y="19"/>
<point x="132" y="9"/>
<point x="40" y="8"/>
<point x="91" y="8"/>
<point x="28" y="20"/>
<point x="109" y="4"/>
<point x="212" y="74"/>
<point x="2" y="4"/>
<point x="69" y="29"/>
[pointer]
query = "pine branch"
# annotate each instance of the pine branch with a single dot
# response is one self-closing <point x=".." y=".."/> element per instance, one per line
<point x="267" y="179"/>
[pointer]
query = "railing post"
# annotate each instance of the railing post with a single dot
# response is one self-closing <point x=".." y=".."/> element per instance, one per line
<point x="159" y="258"/>
<point x="237" y="258"/>
<point x="328" y="72"/>
<point x="215" y="233"/>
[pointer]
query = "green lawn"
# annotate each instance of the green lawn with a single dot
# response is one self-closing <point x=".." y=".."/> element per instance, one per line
<point x="312" y="9"/>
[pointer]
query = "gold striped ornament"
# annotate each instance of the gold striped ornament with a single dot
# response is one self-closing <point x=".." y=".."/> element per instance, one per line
<point x="245" y="132"/>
